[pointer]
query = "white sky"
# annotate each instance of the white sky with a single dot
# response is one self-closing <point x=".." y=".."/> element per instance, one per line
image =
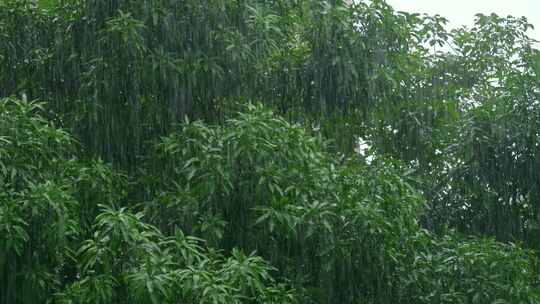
<point x="461" y="12"/>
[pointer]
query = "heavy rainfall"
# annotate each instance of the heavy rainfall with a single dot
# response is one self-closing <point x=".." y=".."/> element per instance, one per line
<point x="251" y="151"/>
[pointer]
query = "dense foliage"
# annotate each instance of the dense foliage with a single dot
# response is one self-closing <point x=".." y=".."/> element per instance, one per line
<point x="218" y="151"/>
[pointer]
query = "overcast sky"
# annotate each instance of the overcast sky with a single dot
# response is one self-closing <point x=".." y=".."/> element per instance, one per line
<point x="461" y="12"/>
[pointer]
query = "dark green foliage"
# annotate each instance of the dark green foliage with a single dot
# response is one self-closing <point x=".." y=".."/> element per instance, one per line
<point x="40" y="216"/>
<point x="397" y="151"/>
<point x="147" y="64"/>
<point x="127" y="261"/>
<point x="343" y="232"/>
<point x="53" y="247"/>
<point x="457" y="270"/>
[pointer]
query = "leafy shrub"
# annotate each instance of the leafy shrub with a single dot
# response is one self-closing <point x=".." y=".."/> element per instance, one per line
<point x="42" y="211"/>
<point x="128" y="261"/>
<point x="62" y="231"/>
<point x="454" y="269"/>
<point x="344" y="232"/>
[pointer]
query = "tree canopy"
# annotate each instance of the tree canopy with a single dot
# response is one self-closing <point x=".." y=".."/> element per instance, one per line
<point x="219" y="151"/>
